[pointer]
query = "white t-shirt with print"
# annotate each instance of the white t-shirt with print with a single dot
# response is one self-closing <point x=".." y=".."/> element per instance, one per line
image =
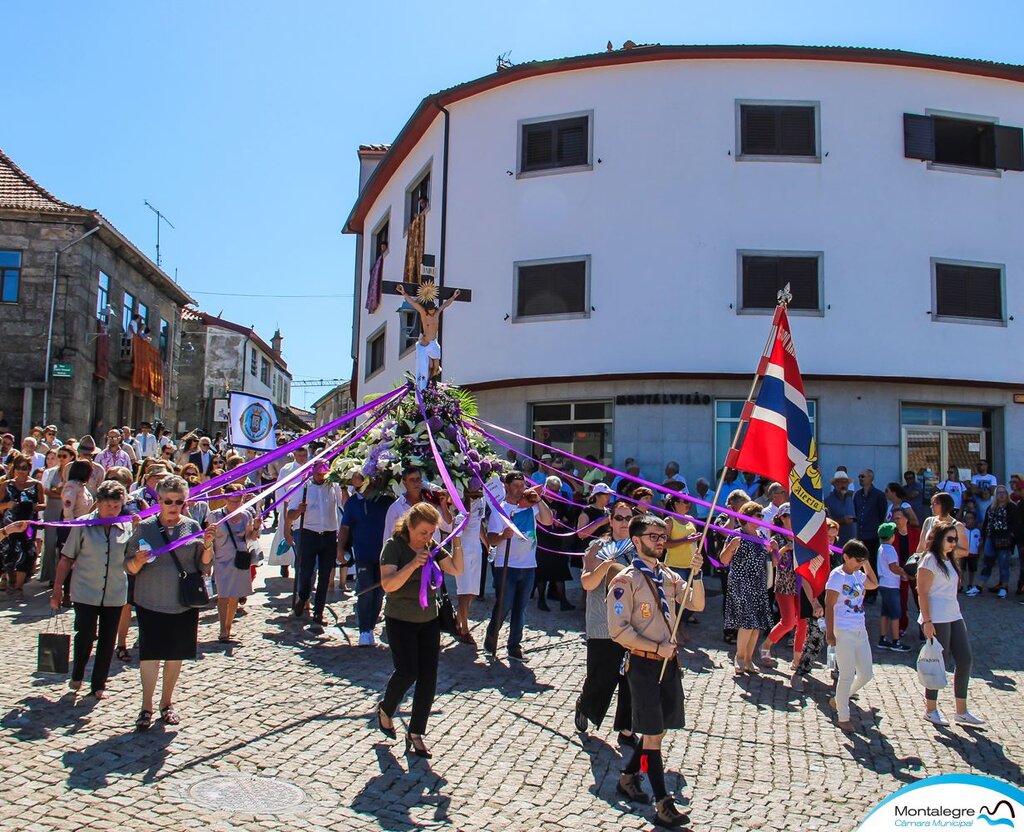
<point x="892" y="508"/>
<point x="849" y="609"/>
<point x="988" y="481"/>
<point x="886" y="556"/>
<point x="942" y="599"/>
<point x="954" y="489"/>
<point x="973" y="541"/>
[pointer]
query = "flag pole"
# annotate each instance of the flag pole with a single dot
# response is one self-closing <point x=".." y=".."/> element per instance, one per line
<point x="784" y="297"/>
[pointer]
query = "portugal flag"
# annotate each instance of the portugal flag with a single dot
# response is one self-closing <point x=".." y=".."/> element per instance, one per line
<point x="779" y="444"/>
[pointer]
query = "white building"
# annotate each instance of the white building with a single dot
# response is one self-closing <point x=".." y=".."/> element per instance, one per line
<point x="625" y="219"/>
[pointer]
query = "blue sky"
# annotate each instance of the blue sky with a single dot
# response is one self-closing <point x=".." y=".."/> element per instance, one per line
<point x="240" y="121"/>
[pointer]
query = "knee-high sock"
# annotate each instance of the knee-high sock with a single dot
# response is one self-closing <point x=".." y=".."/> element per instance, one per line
<point x="656" y="774"/>
<point x="633" y="766"/>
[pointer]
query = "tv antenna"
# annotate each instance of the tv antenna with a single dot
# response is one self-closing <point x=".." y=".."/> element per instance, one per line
<point x="160" y="217"/>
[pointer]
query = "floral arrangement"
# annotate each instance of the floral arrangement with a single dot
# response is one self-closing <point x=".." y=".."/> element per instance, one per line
<point x="401" y="440"/>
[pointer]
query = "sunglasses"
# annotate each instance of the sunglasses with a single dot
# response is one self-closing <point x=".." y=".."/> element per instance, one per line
<point x="622" y="518"/>
<point x="173" y="502"/>
<point x="22" y="468"/>
<point x="951" y="538"/>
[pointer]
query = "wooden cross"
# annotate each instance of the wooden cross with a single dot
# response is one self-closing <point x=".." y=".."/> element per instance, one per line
<point x="390" y="287"/>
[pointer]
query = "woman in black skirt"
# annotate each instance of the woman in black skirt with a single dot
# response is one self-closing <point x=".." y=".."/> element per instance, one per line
<point x="553" y="555"/>
<point x="167" y="629"/>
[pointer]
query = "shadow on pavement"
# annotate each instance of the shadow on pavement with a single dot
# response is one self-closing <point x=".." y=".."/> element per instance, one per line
<point x="390" y="795"/>
<point x="132" y="753"/>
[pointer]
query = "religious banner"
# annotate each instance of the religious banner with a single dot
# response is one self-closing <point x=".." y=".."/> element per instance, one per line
<point x="252" y="422"/>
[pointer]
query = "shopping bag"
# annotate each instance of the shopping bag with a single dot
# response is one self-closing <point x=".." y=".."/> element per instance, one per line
<point x="54" y="651"/>
<point x="931" y="666"/>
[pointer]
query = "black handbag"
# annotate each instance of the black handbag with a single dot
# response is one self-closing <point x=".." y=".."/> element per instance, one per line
<point x="446" y="612"/>
<point x="914" y="561"/>
<point x="243" y="557"/>
<point x="54" y="651"/>
<point x="192" y="588"/>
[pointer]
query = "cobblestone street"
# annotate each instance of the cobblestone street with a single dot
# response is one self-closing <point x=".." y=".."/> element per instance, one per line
<point x="295" y="707"/>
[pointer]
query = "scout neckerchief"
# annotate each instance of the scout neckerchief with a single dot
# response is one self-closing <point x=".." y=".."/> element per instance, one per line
<point x="659" y="584"/>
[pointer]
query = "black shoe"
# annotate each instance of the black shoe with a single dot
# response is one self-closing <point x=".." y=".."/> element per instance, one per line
<point x="490" y="645"/>
<point x="543" y="605"/>
<point x="580" y="719"/>
<point x="284" y="571"/>
<point x="387" y="732"/>
<point x="516" y="654"/>
<point x="667" y="814"/>
<point x="417" y="748"/>
<point x="628" y="740"/>
<point x="629" y="785"/>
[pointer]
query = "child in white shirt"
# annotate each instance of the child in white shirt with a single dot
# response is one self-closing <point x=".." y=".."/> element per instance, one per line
<point x="889" y="576"/>
<point x="969" y="564"/>
<point x="845" y="628"/>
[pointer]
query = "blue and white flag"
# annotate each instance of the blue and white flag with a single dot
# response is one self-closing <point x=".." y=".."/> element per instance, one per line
<point x="252" y="423"/>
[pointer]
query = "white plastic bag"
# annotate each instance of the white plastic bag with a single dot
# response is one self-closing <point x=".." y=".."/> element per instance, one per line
<point x="830" y="658"/>
<point x="931" y="666"/>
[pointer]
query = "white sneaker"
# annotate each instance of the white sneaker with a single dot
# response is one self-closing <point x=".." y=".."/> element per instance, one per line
<point x="936" y="717"/>
<point x="1002" y="593"/>
<point x="972" y="591"/>
<point x="366" y="640"/>
<point x="967" y="718"/>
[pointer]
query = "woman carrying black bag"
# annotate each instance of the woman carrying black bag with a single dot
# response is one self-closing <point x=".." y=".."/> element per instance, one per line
<point x="168" y="628"/>
<point x="414" y="632"/>
<point x="233" y="554"/>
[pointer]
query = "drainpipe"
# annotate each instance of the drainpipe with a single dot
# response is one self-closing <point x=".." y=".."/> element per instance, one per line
<point x="53" y="312"/>
<point x="444" y="213"/>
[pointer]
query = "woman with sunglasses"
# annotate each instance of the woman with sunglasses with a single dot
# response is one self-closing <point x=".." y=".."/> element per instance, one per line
<point x="746" y="602"/>
<point x="605" y="558"/>
<point x="22" y="498"/>
<point x="997" y="535"/>
<point x="937" y="580"/>
<point x="233" y="553"/>
<point x="53" y="483"/>
<point x="168" y="629"/>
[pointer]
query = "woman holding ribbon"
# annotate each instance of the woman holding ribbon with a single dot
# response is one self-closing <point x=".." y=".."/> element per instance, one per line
<point x="168" y="629"/>
<point x="411" y="618"/>
<point x="99" y="584"/>
<point x="53" y="484"/>
<point x="21" y="499"/>
<point x="233" y="554"/>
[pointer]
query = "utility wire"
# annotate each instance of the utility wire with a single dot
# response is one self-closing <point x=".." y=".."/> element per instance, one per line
<point x="244" y="295"/>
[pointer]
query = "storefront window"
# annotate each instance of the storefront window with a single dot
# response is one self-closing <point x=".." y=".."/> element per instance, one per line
<point x="936" y="438"/>
<point x="581" y="428"/>
<point x="727" y="417"/>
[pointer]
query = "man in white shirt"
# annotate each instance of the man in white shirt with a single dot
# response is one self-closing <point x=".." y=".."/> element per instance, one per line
<point x="412" y="482"/>
<point x="521" y="553"/>
<point x="127" y="446"/>
<point x="983" y="479"/>
<point x="145" y="443"/>
<point x="317" y="503"/>
<point x="28" y="448"/>
<point x="114" y="456"/>
<point x="953" y="487"/>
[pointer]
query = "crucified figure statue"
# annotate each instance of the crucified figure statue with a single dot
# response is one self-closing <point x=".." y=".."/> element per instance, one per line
<point x="428" y="351"/>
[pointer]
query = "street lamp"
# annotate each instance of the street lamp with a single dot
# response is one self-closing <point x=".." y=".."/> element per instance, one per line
<point x="53" y="312"/>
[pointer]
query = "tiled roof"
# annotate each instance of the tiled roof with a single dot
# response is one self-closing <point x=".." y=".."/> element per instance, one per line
<point x="374" y="148"/>
<point x="20" y="191"/>
<point x="190" y="314"/>
<point x="429" y="108"/>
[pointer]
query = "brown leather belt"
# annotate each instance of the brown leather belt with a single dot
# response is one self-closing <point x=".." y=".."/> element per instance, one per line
<point x="643" y="654"/>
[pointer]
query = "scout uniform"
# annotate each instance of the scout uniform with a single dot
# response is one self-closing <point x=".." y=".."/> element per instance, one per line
<point x="637" y="621"/>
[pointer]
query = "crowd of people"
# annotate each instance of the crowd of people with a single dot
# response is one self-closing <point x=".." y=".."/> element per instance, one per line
<point x="641" y="555"/>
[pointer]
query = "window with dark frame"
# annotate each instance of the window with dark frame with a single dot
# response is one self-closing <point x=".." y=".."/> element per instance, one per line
<point x="778" y="130"/>
<point x="963" y="142"/>
<point x="264" y="370"/>
<point x="380" y="240"/>
<point x="165" y="336"/>
<point x="10" y="276"/>
<point x="252" y="361"/>
<point x="970" y="292"/>
<point x="375" y="346"/>
<point x="544" y="289"/>
<point x="127" y="313"/>
<point x="559" y="143"/>
<point x="765" y="275"/>
<point x="410" y="331"/>
<point x="419" y="196"/>
<point x="102" y="295"/>
<point x="143" y="312"/>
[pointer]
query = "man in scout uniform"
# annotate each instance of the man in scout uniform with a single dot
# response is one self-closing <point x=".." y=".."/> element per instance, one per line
<point x="643" y="602"/>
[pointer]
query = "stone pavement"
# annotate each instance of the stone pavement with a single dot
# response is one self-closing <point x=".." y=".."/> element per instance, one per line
<point x="276" y="734"/>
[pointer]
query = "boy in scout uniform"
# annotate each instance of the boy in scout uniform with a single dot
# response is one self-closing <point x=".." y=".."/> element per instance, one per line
<point x="642" y="606"/>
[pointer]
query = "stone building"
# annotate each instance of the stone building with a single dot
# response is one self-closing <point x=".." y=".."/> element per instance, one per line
<point x="90" y="324"/>
<point x="334" y="403"/>
<point x="219" y="355"/>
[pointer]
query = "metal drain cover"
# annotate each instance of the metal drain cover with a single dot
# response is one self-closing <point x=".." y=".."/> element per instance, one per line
<point x="246" y="793"/>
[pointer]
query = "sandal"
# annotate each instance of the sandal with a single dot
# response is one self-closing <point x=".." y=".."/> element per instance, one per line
<point x="144" y="721"/>
<point x="123" y="654"/>
<point x="100" y="693"/>
<point x="169" y="715"/>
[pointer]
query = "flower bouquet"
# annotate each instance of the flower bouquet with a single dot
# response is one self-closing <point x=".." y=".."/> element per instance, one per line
<point x="401" y="440"/>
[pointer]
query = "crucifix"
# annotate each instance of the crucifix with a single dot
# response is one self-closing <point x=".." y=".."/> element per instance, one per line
<point x="429" y="300"/>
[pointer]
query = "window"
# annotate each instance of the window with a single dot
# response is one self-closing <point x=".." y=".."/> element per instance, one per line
<point x="380" y="239"/>
<point x="935" y="438"/>
<point x="127" y="313"/>
<point x="727" y="417"/>
<point x="417" y="198"/>
<point x="252" y="361"/>
<point x="769" y="131"/>
<point x="963" y="142"/>
<point x="10" y="276"/>
<point x="547" y="289"/>
<point x="581" y="428"/>
<point x="375" y="345"/>
<point x="967" y="292"/>
<point x="410" y="331"/>
<point x="102" y="296"/>
<point x="764" y="274"/>
<point x="264" y="370"/>
<point x="554" y="143"/>
<point x="165" y="338"/>
<point x="143" y="312"/>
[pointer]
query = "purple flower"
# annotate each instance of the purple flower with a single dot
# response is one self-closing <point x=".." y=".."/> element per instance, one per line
<point x="485" y="469"/>
<point x="451" y="432"/>
<point x="435" y="423"/>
